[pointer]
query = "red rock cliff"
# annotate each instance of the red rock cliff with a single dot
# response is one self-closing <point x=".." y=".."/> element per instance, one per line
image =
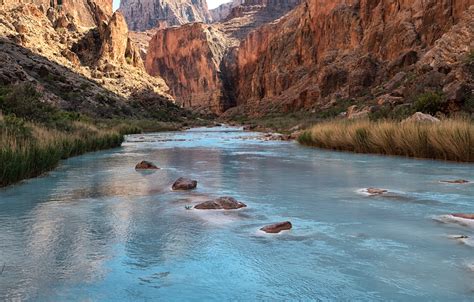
<point x="188" y="58"/>
<point x="333" y="49"/>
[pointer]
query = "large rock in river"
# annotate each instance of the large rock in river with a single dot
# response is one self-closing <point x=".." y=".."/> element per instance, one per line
<point x="277" y="227"/>
<point x="184" y="184"/>
<point x="221" y="203"/>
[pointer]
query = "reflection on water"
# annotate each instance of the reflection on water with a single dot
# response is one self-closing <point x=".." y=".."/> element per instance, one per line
<point x="96" y="229"/>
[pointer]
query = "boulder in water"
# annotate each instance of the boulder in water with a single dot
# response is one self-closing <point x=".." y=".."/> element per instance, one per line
<point x="146" y="165"/>
<point x="277" y="227"/>
<point x="221" y="203"/>
<point x="183" y="184"/>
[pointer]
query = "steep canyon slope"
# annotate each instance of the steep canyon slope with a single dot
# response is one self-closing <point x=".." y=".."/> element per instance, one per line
<point x="92" y="70"/>
<point x="323" y="55"/>
<point x="86" y="13"/>
<point x="193" y="59"/>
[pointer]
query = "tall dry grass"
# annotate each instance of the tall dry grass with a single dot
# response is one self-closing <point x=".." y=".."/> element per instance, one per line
<point x="450" y="139"/>
<point x="32" y="150"/>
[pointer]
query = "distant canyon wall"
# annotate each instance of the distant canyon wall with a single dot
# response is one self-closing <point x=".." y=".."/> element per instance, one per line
<point x="142" y="15"/>
<point x="188" y="58"/>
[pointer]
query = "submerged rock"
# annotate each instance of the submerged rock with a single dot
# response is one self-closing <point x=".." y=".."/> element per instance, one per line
<point x="457" y="181"/>
<point x="146" y="165"/>
<point x="221" y="203"/>
<point x="375" y="191"/>
<point x="184" y="184"/>
<point x="277" y="227"/>
<point x="458" y="237"/>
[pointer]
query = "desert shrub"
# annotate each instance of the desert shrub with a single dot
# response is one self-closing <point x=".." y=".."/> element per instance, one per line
<point x="429" y="102"/>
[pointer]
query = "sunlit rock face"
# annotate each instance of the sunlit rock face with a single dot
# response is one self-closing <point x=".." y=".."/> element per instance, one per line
<point x="188" y="58"/>
<point x="325" y="50"/>
<point x="247" y="15"/>
<point x="95" y="71"/>
<point x="142" y="15"/>
<point x="222" y="11"/>
<point x="84" y="12"/>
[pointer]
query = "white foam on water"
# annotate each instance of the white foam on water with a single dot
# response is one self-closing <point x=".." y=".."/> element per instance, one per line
<point x="452" y="219"/>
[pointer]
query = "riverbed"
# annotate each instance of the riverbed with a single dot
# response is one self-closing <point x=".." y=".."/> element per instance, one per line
<point x="95" y="229"/>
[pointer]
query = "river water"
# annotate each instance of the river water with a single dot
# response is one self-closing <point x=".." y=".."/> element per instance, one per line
<point x="96" y="230"/>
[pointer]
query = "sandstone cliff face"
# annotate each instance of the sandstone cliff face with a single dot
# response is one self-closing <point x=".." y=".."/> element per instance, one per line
<point x="196" y="60"/>
<point x="97" y="71"/>
<point x="188" y="58"/>
<point x="324" y="51"/>
<point x="84" y="12"/>
<point x="251" y="14"/>
<point x="223" y="11"/>
<point x="142" y="15"/>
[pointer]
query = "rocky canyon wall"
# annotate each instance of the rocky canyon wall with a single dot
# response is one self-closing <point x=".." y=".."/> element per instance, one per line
<point x="142" y="15"/>
<point x="196" y="60"/>
<point x="188" y="58"/>
<point x="325" y="50"/>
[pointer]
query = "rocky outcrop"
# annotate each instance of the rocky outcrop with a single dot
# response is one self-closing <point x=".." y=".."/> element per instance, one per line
<point x="142" y="15"/>
<point x="223" y="11"/>
<point x="248" y="15"/>
<point x="277" y="227"/>
<point x="84" y="12"/>
<point x="116" y="45"/>
<point x="189" y="58"/>
<point x="221" y="203"/>
<point x="73" y="69"/>
<point x="325" y="51"/>
<point x="421" y="117"/>
<point x="184" y="184"/>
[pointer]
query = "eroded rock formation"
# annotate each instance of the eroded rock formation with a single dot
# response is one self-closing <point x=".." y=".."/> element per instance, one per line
<point x="251" y="14"/>
<point x="223" y="11"/>
<point x="84" y="12"/>
<point x="96" y="71"/>
<point x="142" y="15"/>
<point x="189" y="58"/>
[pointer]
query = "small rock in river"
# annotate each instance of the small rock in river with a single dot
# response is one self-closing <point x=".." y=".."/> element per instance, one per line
<point x="221" y="203"/>
<point x="277" y="227"/>
<point x="146" y="165"/>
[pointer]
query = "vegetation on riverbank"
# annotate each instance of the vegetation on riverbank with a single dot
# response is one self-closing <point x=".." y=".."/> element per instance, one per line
<point x="35" y="136"/>
<point x="450" y="139"/>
